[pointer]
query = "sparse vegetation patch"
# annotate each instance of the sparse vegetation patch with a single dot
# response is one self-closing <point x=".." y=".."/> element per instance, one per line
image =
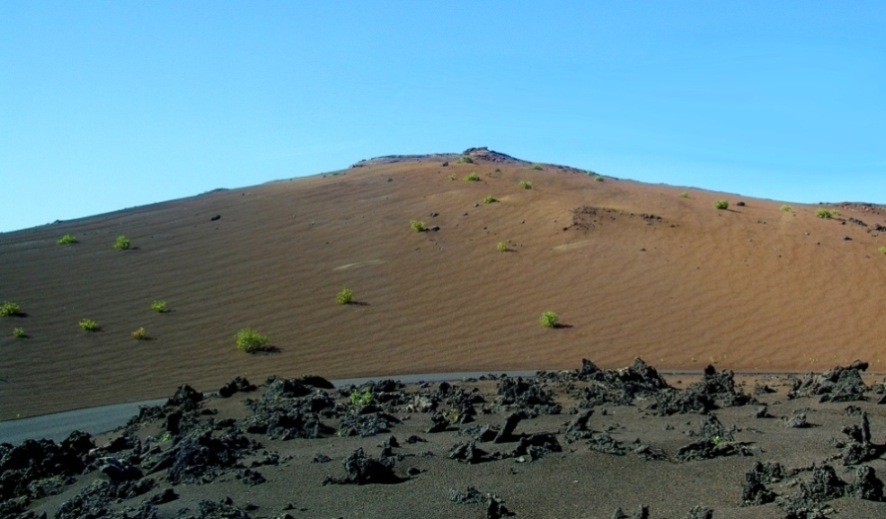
<point x="548" y="319"/>
<point x="418" y="225"/>
<point x="882" y="249"/>
<point x="525" y="184"/>
<point x="122" y="243"/>
<point x="464" y="159"/>
<point x="786" y="208"/>
<point x="599" y="178"/>
<point x="684" y="194"/>
<point x="19" y="333"/>
<point x="535" y="167"/>
<point x="159" y="306"/>
<point x="721" y="204"/>
<point x="345" y="296"/>
<point x="827" y="214"/>
<point x="140" y="334"/>
<point x="88" y="325"/>
<point x="489" y="199"/>
<point x="250" y="341"/>
<point x="472" y="177"/>
<point x="9" y="309"/>
<point x="502" y="246"/>
<point x="67" y="239"/>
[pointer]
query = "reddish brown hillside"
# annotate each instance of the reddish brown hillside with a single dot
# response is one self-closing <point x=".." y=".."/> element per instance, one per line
<point x="751" y="287"/>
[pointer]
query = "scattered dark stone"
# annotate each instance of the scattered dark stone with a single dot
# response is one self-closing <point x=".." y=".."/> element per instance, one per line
<point x="321" y="458"/>
<point x="700" y="512"/>
<point x="836" y="385"/>
<point x="536" y="446"/>
<point x="467" y="452"/>
<point x="415" y="439"/>
<point x="797" y="421"/>
<point x="707" y="448"/>
<point x="166" y="496"/>
<point x="603" y="442"/>
<point x="316" y="381"/>
<point x="201" y="457"/>
<point x="809" y="500"/>
<point x="647" y="453"/>
<point x="365" y="425"/>
<point x="859" y="448"/>
<point x="578" y="428"/>
<point x="867" y="485"/>
<point x="362" y="469"/>
<point x="642" y="513"/>
<point x="35" y="460"/>
<point x="762" y="411"/>
<point x="118" y="471"/>
<point x="221" y="510"/>
<point x="250" y="477"/>
<point x="239" y="384"/>
<point x="754" y="490"/>
<point x="444" y="163"/>
<point x="740" y="203"/>
<point x="853" y="410"/>
<point x="506" y="434"/>
<point x="495" y="509"/>
<point x="763" y="389"/>
<point x="185" y="397"/>
<point x="471" y="496"/>
<point x="215" y="218"/>
<point x="526" y="393"/>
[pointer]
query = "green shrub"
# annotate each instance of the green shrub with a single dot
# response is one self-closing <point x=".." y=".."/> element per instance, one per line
<point x="548" y="319"/>
<point x="19" y="333"/>
<point x="488" y="199"/>
<point x="140" y="334"/>
<point x="88" y="325"/>
<point x="525" y="184"/>
<point x="535" y="167"/>
<point x="418" y="225"/>
<point x="826" y="213"/>
<point x="451" y="177"/>
<point x="684" y="194"/>
<point x="464" y="159"/>
<point x="359" y="399"/>
<point x="122" y="243"/>
<point x="250" y="341"/>
<point x="786" y="208"/>
<point x="472" y="177"/>
<point x="8" y="309"/>
<point x="67" y="239"/>
<point x="721" y="204"/>
<point x="882" y="249"/>
<point x="599" y="178"/>
<point x="502" y="246"/>
<point x="159" y="306"/>
<point x="345" y="296"/>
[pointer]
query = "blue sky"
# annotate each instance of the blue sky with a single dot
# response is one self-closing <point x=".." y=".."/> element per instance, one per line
<point x="107" y="105"/>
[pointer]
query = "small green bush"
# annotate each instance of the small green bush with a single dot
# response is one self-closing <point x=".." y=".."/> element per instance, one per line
<point x="122" y="243"/>
<point x="159" y="306"/>
<point x="599" y="178"/>
<point x="826" y="213"/>
<point x="786" y="208"/>
<point x="250" y="341"/>
<point x="359" y="399"/>
<point x="525" y="184"/>
<point x="684" y="194"/>
<point x="502" y="246"/>
<point x="721" y="204"/>
<point x="882" y="249"/>
<point x="464" y="159"/>
<point x="140" y="334"/>
<point x="548" y="319"/>
<point x="451" y="177"/>
<point x="345" y="296"/>
<point x="88" y="325"/>
<point x="535" y="167"/>
<point x="418" y="225"/>
<point x="489" y="199"/>
<point x="9" y="309"/>
<point x="19" y="333"/>
<point x="472" y="177"/>
<point x="67" y="239"/>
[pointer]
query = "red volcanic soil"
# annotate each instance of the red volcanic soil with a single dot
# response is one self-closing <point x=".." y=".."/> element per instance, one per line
<point x="632" y="269"/>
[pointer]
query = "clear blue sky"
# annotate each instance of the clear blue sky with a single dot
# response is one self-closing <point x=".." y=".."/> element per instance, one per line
<point x="107" y="105"/>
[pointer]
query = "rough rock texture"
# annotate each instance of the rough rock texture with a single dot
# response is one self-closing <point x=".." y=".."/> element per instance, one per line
<point x="361" y="469"/>
<point x="836" y="385"/>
